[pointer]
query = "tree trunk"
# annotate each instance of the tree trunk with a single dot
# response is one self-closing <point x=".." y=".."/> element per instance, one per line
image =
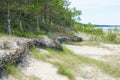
<point x="62" y="23"/>
<point x="21" y="26"/>
<point x="41" y="14"/>
<point x="38" y="26"/>
<point x="44" y="11"/>
<point x="9" y="22"/>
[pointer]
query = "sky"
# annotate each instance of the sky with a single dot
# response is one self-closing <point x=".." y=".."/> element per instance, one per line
<point x="98" y="11"/>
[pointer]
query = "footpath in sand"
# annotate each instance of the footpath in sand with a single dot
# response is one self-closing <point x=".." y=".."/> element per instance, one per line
<point x="103" y="52"/>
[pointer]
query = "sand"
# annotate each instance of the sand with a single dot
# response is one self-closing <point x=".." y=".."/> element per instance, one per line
<point x="97" y="53"/>
<point x="41" y="70"/>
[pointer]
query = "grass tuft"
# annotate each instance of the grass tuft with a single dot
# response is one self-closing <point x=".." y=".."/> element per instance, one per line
<point x="37" y="54"/>
<point x="13" y="70"/>
<point x="63" y="70"/>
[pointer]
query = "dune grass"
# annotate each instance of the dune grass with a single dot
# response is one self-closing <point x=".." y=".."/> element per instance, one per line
<point x="37" y="55"/>
<point x="15" y="72"/>
<point x="62" y="69"/>
<point x="69" y="63"/>
<point x="113" y="70"/>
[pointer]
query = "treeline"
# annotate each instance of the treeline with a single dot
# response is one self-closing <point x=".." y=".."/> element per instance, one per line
<point x="19" y="16"/>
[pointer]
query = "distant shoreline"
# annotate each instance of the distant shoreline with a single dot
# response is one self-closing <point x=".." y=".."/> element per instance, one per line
<point x="107" y="28"/>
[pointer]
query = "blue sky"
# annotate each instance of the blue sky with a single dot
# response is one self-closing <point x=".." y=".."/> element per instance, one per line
<point x="98" y="11"/>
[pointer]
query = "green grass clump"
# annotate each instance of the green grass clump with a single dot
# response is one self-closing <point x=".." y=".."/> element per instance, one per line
<point x="13" y="70"/>
<point x="63" y="70"/>
<point x="37" y="54"/>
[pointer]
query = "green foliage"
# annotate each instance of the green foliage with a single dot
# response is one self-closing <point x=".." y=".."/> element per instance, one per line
<point x="57" y="29"/>
<point x="87" y="28"/>
<point x="78" y="27"/>
<point x="60" y="31"/>
<point x="29" y="15"/>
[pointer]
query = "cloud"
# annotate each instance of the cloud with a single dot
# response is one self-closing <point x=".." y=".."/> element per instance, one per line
<point x="93" y="4"/>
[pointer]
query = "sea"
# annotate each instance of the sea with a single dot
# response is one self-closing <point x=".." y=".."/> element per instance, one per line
<point x="107" y="28"/>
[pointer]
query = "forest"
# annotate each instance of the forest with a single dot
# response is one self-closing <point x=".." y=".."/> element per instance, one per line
<point x="18" y="17"/>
